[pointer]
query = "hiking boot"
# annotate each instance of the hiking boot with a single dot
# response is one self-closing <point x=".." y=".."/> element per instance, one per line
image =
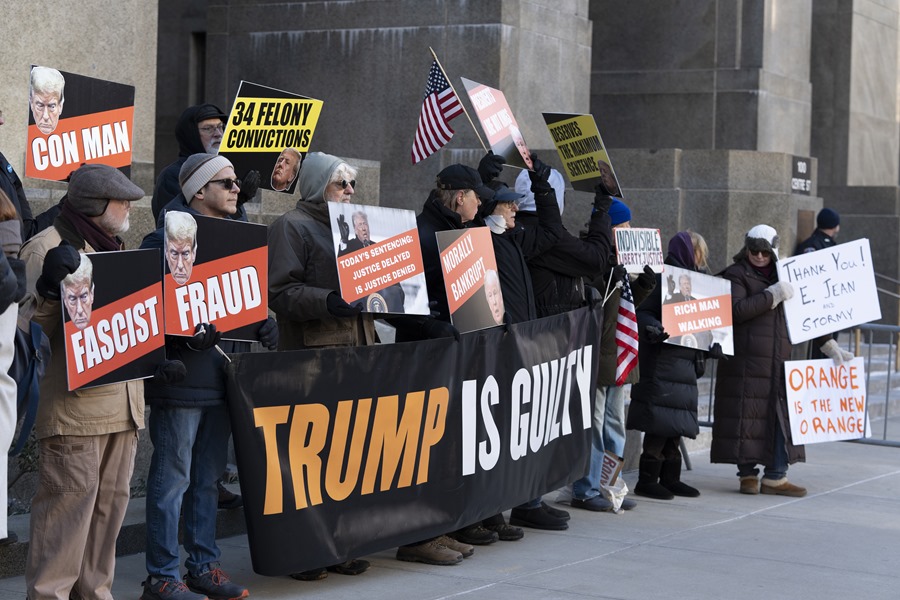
<point x="750" y="485"/>
<point x="595" y="504"/>
<point x="556" y="512"/>
<point x="431" y="552"/>
<point x="168" y="589"/>
<point x="536" y="518"/>
<point x="216" y="585"/>
<point x="466" y="550"/>
<point x="781" y="487"/>
<point x="475" y="535"/>
<point x="227" y="498"/>
<point x="507" y="532"/>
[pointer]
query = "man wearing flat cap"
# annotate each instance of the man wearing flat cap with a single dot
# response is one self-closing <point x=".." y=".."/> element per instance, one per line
<point x="87" y="437"/>
<point x="188" y="422"/>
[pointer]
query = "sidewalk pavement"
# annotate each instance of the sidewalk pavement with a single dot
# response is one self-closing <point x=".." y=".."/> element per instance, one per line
<point x="841" y="541"/>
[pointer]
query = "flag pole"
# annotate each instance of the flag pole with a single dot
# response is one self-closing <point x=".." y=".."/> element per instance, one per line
<point x="475" y="129"/>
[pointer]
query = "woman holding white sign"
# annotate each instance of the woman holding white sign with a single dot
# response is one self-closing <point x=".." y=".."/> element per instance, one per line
<point x="751" y="424"/>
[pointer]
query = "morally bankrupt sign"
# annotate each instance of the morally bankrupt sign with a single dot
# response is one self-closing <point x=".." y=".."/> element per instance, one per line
<point x="460" y="431"/>
<point x="834" y="289"/>
<point x="826" y="402"/>
<point x="470" y="275"/>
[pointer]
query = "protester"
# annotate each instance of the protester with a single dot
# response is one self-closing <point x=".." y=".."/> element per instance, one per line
<point x="664" y="401"/>
<point x="12" y="289"/>
<point x="199" y="130"/>
<point x="608" y="432"/>
<point x="87" y="437"/>
<point x="11" y="185"/>
<point x="751" y="424"/>
<point x="304" y="289"/>
<point x="189" y="423"/>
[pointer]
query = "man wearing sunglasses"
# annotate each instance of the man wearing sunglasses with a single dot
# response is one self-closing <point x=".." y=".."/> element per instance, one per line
<point x="189" y="424"/>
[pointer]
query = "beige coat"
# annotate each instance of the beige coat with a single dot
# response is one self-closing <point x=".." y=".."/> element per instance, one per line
<point x="92" y="411"/>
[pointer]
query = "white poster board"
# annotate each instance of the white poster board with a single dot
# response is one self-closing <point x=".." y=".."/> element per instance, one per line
<point x="826" y="403"/>
<point x="636" y="247"/>
<point x="834" y="289"/>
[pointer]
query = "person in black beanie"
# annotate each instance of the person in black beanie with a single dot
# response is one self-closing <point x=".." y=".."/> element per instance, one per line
<point x="828" y="224"/>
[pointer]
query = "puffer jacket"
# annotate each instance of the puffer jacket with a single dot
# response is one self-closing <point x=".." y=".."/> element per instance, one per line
<point x="750" y="392"/>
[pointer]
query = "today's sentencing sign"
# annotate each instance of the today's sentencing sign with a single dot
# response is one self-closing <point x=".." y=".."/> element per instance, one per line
<point x="834" y="289"/>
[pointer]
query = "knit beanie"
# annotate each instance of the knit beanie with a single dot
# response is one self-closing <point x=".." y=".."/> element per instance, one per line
<point x="619" y="212"/>
<point x="760" y="237"/>
<point x="92" y="186"/>
<point x="197" y="170"/>
<point x="828" y="219"/>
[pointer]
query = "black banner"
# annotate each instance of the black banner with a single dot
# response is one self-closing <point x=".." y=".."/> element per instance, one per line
<point x="348" y="451"/>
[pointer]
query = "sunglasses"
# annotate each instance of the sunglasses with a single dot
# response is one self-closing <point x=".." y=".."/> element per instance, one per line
<point x="759" y="252"/>
<point x="227" y="183"/>
<point x="344" y="183"/>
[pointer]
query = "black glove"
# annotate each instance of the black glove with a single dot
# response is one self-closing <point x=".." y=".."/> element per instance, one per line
<point x="344" y="228"/>
<point x="267" y="334"/>
<point x="647" y="279"/>
<point x="490" y="166"/>
<point x="433" y="309"/>
<point x="205" y="337"/>
<point x="435" y="328"/>
<point x="655" y="335"/>
<point x="18" y="267"/>
<point x="540" y="176"/>
<point x="249" y="186"/>
<point x="59" y="262"/>
<point x="8" y="288"/>
<point x="618" y="273"/>
<point x="170" y="371"/>
<point x="602" y="200"/>
<point x="715" y="351"/>
<point x="338" y="308"/>
<point x="592" y="295"/>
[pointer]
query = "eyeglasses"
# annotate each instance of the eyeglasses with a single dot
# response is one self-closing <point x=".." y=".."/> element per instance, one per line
<point x="344" y="183"/>
<point x="227" y="183"/>
<point x="210" y="129"/>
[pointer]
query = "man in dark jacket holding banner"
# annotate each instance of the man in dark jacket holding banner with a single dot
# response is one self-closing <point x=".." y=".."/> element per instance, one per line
<point x="189" y="423"/>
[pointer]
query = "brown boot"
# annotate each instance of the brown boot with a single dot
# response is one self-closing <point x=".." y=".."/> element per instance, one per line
<point x="749" y="485"/>
<point x="781" y="487"/>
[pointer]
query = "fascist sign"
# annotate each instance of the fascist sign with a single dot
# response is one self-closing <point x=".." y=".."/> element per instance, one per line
<point x="73" y="119"/>
<point x="834" y="289"/>
<point x="499" y="124"/>
<point x="380" y="265"/>
<point x="113" y="318"/>
<point x="581" y="150"/>
<point x="696" y="310"/>
<point x="270" y="131"/>
<point x="216" y="272"/>
<point x="826" y="402"/>
<point x="460" y="431"/>
<point x="470" y="275"/>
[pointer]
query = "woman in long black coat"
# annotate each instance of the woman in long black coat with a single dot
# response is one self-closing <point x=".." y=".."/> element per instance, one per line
<point x="664" y="401"/>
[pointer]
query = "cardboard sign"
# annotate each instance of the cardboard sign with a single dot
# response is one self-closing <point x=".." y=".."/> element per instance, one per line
<point x="270" y="131"/>
<point x="834" y="289"/>
<point x="379" y="258"/>
<point x="113" y="318"/>
<point x="499" y="124"/>
<point x="636" y="247"/>
<point x="826" y="402"/>
<point x="216" y="272"/>
<point x="696" y="309"/>
<point x="610" y="468"/>
<point x="582" y="152"/>
<point x="73" y="119"/>
<point x="470" y="278"/>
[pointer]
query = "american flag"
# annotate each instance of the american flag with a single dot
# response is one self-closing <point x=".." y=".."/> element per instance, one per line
<point x="626" y="334"/>
<point x="440" y="106"/>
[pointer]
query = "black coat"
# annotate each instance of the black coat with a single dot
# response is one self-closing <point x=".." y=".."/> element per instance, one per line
<point x="12" y="186"/>
<point x="664" y="401"/>
<point x="819" y="240"/>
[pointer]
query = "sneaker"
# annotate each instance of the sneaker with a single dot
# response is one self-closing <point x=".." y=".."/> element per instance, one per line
<point x="168" y="589"/>
<point x="227" y="498"/>
<point x="628" y="504"/>
<point x="781" y="487"/>
<point x="475" y="535"/>
<point x="466" y="550"/>
<point x="536" y="518"/>
<point x="310" y="575"/>
<point x="556" y="512"/>
<point x="431" y="552"/>
<point x="216" y="585"/>
<point x="750" y="485"/>
<point x="595" y="503"/>
<point x="507" y="532"/>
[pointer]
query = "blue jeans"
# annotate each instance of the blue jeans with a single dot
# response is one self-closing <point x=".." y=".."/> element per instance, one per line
<point x="190" y="447"/>
<point x="608" y="433"/>
<point x="779" y="467"/>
